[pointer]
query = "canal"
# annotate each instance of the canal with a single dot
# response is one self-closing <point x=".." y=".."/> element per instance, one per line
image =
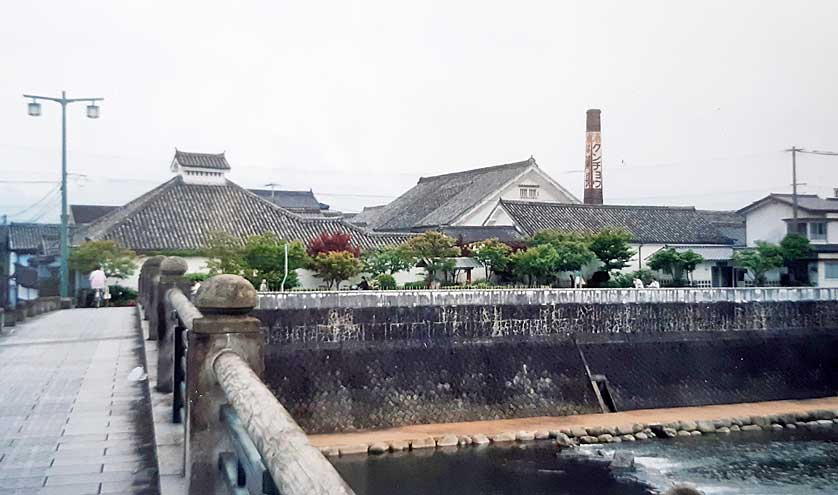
<point x="788" y="463"/>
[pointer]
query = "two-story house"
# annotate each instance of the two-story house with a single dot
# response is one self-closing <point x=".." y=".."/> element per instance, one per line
<point x="772" y="217"/>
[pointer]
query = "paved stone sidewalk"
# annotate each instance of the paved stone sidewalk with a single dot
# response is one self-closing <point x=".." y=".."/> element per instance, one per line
<point x="70" y="421"/>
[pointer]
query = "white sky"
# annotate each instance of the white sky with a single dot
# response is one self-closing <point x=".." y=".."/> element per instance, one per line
<point x="357" y="100"/>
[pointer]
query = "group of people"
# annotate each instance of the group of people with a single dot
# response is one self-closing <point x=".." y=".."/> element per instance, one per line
<point x="638" y="284"/>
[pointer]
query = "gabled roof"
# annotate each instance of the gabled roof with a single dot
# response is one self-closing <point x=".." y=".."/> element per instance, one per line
<point x="31" y="237"/>
<point x="291" y="200"/>
<point x="202" y="160"/>
<point x="366" y="216"/>
<point x="731" y="224"/>
<point x="647" y="224"/>
<point x="441" y="199"/>
<point x="177" y="215"/>
<point x="83" y="214"/>
<point x="808" y="202"/>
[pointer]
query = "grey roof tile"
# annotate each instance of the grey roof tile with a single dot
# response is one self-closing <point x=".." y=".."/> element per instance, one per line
<point x="809" y="202"/>
<point x="291" y="200"/>
<point x="176" y="215"/>
<point x="31" y="237"/>
<point x="202" y="160"/>
<point x="83" y="214"/>
<point x="441" y="199"/>
<point x="469" y="234"/>
<point x="647" y="224"/>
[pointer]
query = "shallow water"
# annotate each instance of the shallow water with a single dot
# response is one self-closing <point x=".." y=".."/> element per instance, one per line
<point x="747" y="463"/>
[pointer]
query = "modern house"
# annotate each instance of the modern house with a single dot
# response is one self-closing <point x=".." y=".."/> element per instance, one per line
<point x="651" y="227"/>
<point x="181" y="214"/>
<point x="464" y="199"/>
<point x="772" y="217"/>
<point x="28" y="261"/>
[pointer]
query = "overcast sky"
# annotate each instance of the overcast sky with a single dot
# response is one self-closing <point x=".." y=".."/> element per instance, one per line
<point x="357" y="100"/>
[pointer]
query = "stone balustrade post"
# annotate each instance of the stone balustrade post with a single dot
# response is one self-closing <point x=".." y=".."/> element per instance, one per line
<point x="172" y="269"/>
<point x="224" y="301"/>
<point x="149" y="277"/>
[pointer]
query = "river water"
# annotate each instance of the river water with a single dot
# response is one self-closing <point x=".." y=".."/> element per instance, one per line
<point x="787" y="463"/>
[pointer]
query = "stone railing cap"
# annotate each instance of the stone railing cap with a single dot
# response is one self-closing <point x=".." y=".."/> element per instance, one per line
<point x="226" y="293"/>
<point x="173" y="265"/>
<point x="154" y="261"/>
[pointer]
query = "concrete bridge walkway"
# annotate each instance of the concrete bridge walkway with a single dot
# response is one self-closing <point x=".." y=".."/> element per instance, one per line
<point x="71" y="422"/>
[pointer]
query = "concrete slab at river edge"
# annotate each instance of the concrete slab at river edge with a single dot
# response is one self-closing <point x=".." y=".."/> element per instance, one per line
<point x="70" y="420"/>
<point x="647" y="416"/>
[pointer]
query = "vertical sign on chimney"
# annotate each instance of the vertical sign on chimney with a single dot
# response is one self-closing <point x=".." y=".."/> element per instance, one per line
<point x="593" y="159"/>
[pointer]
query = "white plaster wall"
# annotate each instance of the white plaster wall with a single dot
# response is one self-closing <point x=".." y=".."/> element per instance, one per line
<point x="499" y="217"/>
<point x="832" y="231"/>
<point x="308" y="280"/>
<point x="547" y="192"/>
<point x="766" y="223"/>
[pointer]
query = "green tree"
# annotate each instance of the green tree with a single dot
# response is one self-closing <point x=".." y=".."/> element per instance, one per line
<point x="675" y="263"/>
<point x="263" y="258"/>
<point x="434" y="250"/>
<point x="115" y="260"/>
<point x="387" y="260"/>
<point x="550" y="236"/>
<point x="492" y="254"/>
<point x="335" y="266"/>
<point x="536" y="265"/>
<point x="759" y="260"/>
<point x="611" y="247"/>
<point x="224" y="253"/>
<point x="796" y="249"/>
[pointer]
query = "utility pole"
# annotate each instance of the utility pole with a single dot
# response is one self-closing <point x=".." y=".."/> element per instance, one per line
<point x="92" y="113"/>
<point x="794" y="151"/>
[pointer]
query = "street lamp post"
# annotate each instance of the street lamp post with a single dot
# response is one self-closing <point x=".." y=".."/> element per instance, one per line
<point x="34" y="109"/>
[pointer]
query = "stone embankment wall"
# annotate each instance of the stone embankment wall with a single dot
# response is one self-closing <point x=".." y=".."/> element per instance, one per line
<point x="347" y="361"/>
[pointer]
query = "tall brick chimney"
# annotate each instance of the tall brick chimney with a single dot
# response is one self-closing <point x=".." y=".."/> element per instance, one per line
<point x="593" y="158"/>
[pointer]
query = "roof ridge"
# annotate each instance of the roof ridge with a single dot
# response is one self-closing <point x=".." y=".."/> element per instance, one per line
<point x="583" y="205"/>
<point x="527" y="162"/>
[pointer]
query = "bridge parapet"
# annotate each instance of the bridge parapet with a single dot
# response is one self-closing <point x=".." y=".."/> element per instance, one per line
<point x="238" y="437"/>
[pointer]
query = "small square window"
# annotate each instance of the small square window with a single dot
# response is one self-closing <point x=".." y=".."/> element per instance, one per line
<point x="831" y="270"/>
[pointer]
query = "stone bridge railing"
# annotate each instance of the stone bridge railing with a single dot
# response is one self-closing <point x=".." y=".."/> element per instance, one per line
<point x="28" y="309"/>
<point x="476" y="297"/>
<point x="238" y="437"/>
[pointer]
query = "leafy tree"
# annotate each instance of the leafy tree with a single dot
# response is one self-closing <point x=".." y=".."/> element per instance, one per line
<point x="795" y="249"/>
<point x="263" y="257"/>
<point x="675" y="263"/>
<point x="492" y="254"/>
<point x="536" y="264"/>
<point x="225" y="254"/>
<point x="332" y="243"/>
<point x="115" y="260"/>
<point x="611" y="247"/>
<point x="387" y="260"/>
<point x="335" y="266"/>
<point x="435" y="251"/>
<point x="759" y="260"/>
<point x="386" y="281"/>
<point x="555" y="236"/>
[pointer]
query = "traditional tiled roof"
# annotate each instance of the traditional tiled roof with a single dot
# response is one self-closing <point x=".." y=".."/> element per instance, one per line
<point x="440" y="200"/>
<point x="176" y="215"/>
<point x="731" y="224"/>
<point x="83" y="214"/>
<point x="647" y="224"/>
<point x="31" y="237"/>
<point x="292" y="200"/>
<point x="202" y="160"/>
<point x="366" y="216"/>
<point x="469" y="234"/>
<point x="809" y="202"/>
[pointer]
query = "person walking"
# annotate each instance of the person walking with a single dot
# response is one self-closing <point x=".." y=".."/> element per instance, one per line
<point x="98" y="282"/>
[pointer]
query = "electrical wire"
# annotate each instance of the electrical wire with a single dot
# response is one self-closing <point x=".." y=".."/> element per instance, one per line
<point x="36" y="203"/>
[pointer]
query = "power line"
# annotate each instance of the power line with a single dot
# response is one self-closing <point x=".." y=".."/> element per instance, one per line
<point x="49" y="193"/>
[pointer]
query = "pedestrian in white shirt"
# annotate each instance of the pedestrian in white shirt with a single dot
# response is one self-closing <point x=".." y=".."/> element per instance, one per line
<point x="98" y="282"/>
<point x="638" y="284"/>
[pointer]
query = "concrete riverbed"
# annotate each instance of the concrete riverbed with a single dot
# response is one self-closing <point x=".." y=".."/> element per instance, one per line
<point x="755" y="414"/>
